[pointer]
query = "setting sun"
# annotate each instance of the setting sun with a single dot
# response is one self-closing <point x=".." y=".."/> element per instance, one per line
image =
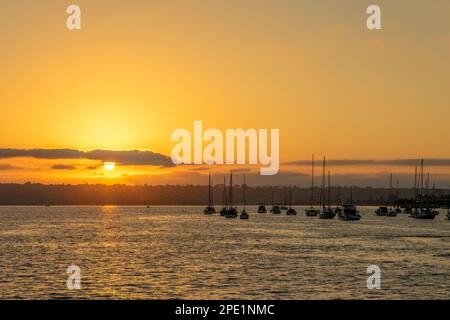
<point x="109" y="165"/>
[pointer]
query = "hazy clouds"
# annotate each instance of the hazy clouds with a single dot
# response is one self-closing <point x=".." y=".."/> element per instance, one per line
<point x="127" y="157"/>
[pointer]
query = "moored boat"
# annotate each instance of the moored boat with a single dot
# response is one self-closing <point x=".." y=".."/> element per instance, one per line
<point x="244" y="214"/>
<point x="327" y="212"/>
<point x="349" y="213"/>
<point x="262" y="208"/>
<point x="311" y="211"/>
<point x="291" y="211"/>
<point x="210" y="208"/>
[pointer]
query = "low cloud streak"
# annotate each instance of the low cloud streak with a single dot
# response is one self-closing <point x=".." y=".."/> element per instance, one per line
<point x="126" y="157"/>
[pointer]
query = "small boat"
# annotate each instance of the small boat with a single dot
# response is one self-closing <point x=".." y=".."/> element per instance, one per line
<point x="327" y="212"/>
<point x="275" y="208"/>
<point x="311" y="211"/>
<point x="231" y="211"/>
<point x="244" y="214"/>
<point x="382" y="211"/>
<point x="349" y="213"/>
<point x="422" y="209"/>
<point x="338" y="208"/>
<point x="210" y="208"/>
<point x="397" y="206"/>
<point x="47" y="204"/>
<point x="262" y="208"/>
<point x="448" y="214"/>
<point x="423" y="213"/>
<point x="290" y="211"/>
<point x="392" y="213"/>
<point x="224" y="209"/>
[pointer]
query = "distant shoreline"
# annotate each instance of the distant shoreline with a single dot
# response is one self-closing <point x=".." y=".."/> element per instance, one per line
<point x="30" y="194"/>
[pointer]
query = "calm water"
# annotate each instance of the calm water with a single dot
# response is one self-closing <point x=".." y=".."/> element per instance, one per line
<point x="174" y="252"/>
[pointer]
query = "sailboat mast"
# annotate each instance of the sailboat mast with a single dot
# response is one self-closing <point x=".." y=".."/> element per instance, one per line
<point x="290" y="196"/>
<point x="322" y="192"/>
<point x="421" y="183"/>
<point x="312" y="180"/>
<point x="329" y="190"/>
<point x="397" y="195"/>
<point x="231" y="189"/>
<point x="209" y="189"/>
<point x="244" y="191"/>
<point x="415" y="185"/>
<point x="225" y="200"/>
<point x="421" y="177"/>
<point x="389" y="193"/>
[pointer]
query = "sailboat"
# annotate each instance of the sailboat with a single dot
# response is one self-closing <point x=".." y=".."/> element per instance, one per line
<point x="275" y="208"/>
<point x="327" y="212"/>
<point x="231" y="211"/>
<point x="422" y="209"/>
<point x="290" y="211"/>
<point x="349" y="211"/>
<point x="285" y="207"/>
<point x="311" y="211"/>
<point x="210" y="208"/>
<point x="448" y="208"/>
<point x="397" y="206"/>
<point x="224" y="209"/>
<point x="244" y="214"/>
<point x="338" y="208"/>
<point x="391" y="212"/>
<point x="262" y="208"/>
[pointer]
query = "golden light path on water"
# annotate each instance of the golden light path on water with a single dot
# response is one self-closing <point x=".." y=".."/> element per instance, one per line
<point x="177" y="252"/>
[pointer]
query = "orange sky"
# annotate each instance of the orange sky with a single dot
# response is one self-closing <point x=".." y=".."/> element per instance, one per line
<point x="140" y="69"/>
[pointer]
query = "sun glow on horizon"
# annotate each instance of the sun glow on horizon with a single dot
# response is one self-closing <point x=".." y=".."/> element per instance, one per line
<point x="109" y="165"/>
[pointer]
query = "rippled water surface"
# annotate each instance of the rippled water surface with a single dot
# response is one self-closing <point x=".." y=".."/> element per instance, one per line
<point x="175" y="252"/>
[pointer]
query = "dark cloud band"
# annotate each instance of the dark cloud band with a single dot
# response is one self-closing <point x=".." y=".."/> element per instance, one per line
<point x="127" y="157"/>
<point x="370" y="162"/>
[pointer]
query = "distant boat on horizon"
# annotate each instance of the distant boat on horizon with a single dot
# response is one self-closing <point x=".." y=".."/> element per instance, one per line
<point x="275" y="208"/>
<point x="210" y="208"/>
<point x="262" y="208"/>
<point x="244" y="214"/>
<point x="422" y="208"/>
<point x="312" y="212"/>
<point x="224" y="209"/>
<point x="349" y="211"/>
<point x="387" y="211"/>
<point x="291" y="211"/>
<point x="327" y="212"/>
<point x="231" y="211"/>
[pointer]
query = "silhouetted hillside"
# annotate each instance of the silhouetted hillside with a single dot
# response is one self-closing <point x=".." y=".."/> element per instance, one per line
<point x="39" y="194"/>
